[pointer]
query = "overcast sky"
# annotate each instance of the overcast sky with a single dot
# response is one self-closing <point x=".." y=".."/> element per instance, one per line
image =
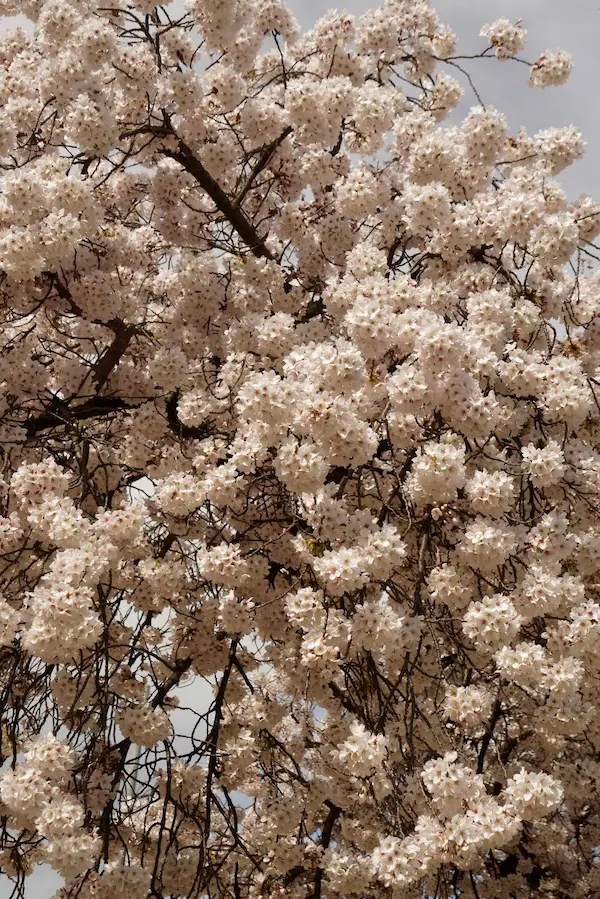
<point x="573" y="26"/>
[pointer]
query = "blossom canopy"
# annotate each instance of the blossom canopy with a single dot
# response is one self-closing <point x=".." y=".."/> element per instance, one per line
<point x="300" y="445"/>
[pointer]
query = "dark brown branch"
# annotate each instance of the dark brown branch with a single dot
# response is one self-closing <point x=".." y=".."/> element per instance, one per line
<point x="156" y="130"/>
<point x="180" y="669"/>
<point x="213" y="738"/>
<point x="235" y="216"/>
<point x="342" y="697"/>
<point x="495" y="716"/>
<point x="423" y="546"/>
<point x="262" y="162"/>
<point x="184" y="431"/>
<point x="117" y="349"/>
<point x="59" y="413"/>
<point x="326" y="833"/>
<point x="111" y="357"/>
<point x="315" y="307"/>
<point x="338" y="144"/>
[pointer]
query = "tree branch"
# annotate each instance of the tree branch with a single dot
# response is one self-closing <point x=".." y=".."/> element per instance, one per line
<point x="60" y="413"/>
<point x="111" y="357"/>
<point x="326" y="833"/>
<point x="234" y="215"/>
<point x="262" y="162"/>
<point x="186" y="432"/>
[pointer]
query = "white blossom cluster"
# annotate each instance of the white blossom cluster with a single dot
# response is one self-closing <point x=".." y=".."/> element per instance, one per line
<point x="34" y="794"/>
<point x="300" y="461"/>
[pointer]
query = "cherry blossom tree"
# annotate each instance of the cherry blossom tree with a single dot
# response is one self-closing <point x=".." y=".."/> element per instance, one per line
<point x="299" y="412"/>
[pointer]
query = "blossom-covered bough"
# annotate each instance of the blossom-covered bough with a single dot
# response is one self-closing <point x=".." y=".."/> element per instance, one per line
<point x="300" y="433"/>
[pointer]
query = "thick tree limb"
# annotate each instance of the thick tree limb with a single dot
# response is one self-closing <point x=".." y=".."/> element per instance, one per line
<point x="326" y="833"/>
<point x="111" y="357"/>
<point x="60" y="413"/>
<point x="117" y="349"/>
<point x="234" y="215"/>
